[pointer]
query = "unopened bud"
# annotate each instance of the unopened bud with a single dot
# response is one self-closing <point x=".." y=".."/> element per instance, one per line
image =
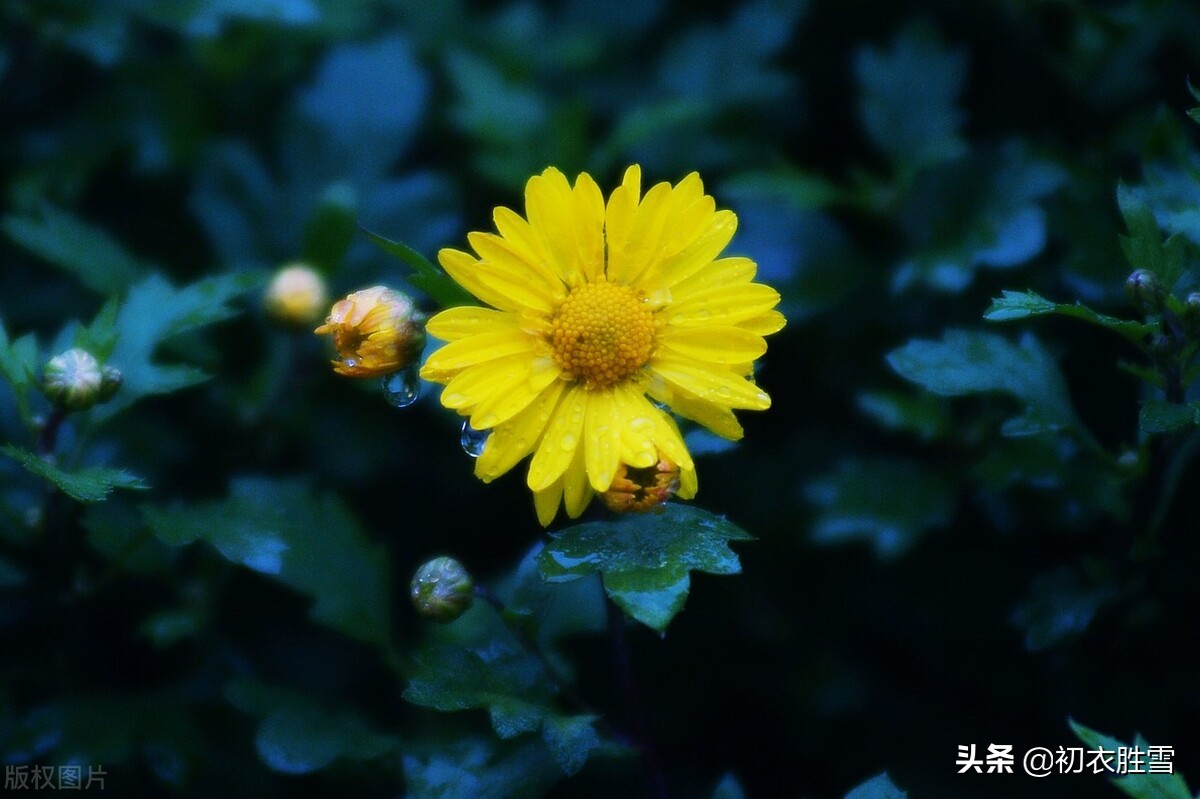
<point x="1146" y="292"/>
<point x="296" y="295"/>
<point x="636" y="490"/>
<point x="73" y="380"/>
<point x="376" y="331"/>
<point x="442" y="590"/>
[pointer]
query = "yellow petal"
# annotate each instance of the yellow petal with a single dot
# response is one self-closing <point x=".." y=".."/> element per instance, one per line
<point x="644" y="241"/>
<point x="522" y="239"/>
<point x="637" y="439"/>
<point x="618" y="217"/>
<point x="562" y="438"/>
<point x="722" y="305"/>
<point x="718" y="386"/>
<point x="589" y="226"/>
<point x="721" y="344"/>
<point x="721" y="272"/>
<point x="516" y="395"/>
<point x="482" y="381"/>
<point x="765" y="324"/>
<point x="716" y="418"/>
<point x="465" y="271"/>
<point x="688" y="483"/>
<point x="458" y="355"/>
<point x="546" y="502"/>
<point x="468" y="320"/>
<point x="602" y="439"/>
<point x="513" y="440"/>
<point x="548" y="204"/>
<point x="701" y="250"/>
<point x="577" y="493"/>
<point x="503" y="256"/>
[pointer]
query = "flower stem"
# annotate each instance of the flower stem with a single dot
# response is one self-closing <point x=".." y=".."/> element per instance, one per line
<point x="633" y="704"/>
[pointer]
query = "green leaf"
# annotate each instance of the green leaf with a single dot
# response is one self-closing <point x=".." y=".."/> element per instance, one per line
<point x="478" y="768"/>
<point x="331" y="228"/>
<point x="152" y="313"/>
<point x="89" y="484"/>
<point x="18" y="361"/>
<point x="924" y="415"/>
<point x="306" y="540"/>
<point x="1025" y="304"/>
<point x="645" y="559"/>
<point x="86" y="251"/>
<point x="570" y="739"/>
<point x="510" y="684"/>
<point x="298" y="736"/>
<point x="887" y="502"/>
<point x="965" y="363"/>
<point x="1138" y="786"/>
<point x="909" y="96"/>
<point x="425" y="276"/>
<point x="1059" y="607"/>
<point x="1144" y="246"/>
<point x="1158" y="416"/>
<point x="879" y="787"/>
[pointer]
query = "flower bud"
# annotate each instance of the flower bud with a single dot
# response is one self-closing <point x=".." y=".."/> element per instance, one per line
<point x="639" y="490"/>
<point x="442" y="590"/>
<point x="1146" y="292"/>
<point x="73" y="380"/>
<point x="377" y="331"/>
<point x="296" y="295"/>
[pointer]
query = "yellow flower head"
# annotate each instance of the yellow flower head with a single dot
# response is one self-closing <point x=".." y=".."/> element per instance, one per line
<point x="377" y="331"/>
<point x="595" y="310"/>
<point x="296" y="295"/>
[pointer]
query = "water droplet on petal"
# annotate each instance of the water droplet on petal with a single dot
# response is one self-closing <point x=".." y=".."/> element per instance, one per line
<point x="567" y="442"/>
<point x="401" y="388"/>
<point x="662" y="406"/>
<point x="350" y="363"/>
<point x="725" y="391"/>
<point x="472" y="440"/>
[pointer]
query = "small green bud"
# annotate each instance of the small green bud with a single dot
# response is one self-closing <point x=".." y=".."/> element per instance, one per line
<point x="73" y="380"/>
<point x="442" y="590"/>
<point x="1146" y="292"/>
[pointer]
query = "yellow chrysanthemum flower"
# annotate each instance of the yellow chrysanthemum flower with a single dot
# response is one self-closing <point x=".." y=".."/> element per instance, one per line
<point x="376" y="331"/>
<point x="595" y="310"/>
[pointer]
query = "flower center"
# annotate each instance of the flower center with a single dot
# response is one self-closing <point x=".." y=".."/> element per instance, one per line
<point x="602" y="333"/>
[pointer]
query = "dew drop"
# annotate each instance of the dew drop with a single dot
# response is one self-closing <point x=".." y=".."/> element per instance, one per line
<point x="568" y="442"/>
<point x="401" y="389"/>
<point x="350" y="363"/>
<point x="472" y="440"/>
<point x="725" y="391"/>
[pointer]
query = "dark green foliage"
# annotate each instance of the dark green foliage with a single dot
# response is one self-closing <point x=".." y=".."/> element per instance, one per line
<point x="971" y="502"/>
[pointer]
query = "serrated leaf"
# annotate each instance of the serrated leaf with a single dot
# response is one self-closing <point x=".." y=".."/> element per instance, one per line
<point x="969" y="363"/>
<point x="1138" y="786"/>
<point x="305" y="540"/>
<point x="878" y="787"/>
<point x="1158" y="416"/>
<point x="89" y="253"/>
<point x="425" y="276"/>
<point x="644" y="560"/>
<point x="570" y="739"/>
<point x="152" y="313"/>
<point x="889" y="503"/>
<point x="89" y="484"/>
<point x="1025" y="304"/>
<point x="1144" y="247"/>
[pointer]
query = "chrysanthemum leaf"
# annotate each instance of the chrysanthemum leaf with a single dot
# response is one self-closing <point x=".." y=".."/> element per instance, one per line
<point x="1144" y="246"/>
<point x="153" y="312"/>
<point x="440" y="287"/>
<point x="479" y="766"/>
<point x="305" y="540"/>
<point x="1141" y="785"/>
<point x="1024" y="304"/>
<point x="645" y="559"/>
<point x="970" y="363"/>
<point x="89" y="484"/>
<point x="89" y="253"/>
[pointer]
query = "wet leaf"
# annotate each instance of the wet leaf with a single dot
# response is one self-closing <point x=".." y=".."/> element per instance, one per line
<point x="87" y="484"/>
